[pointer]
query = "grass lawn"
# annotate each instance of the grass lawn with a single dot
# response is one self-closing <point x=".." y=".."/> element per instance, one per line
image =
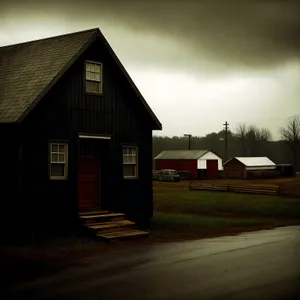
<point x="181" y="213"/>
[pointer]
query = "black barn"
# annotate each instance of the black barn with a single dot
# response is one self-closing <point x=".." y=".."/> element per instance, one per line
<point x="75" y="133"/>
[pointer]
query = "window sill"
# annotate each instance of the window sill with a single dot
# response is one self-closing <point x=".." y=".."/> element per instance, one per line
<point x="58" y="178"/>
<point x="94" y="93"/>
<point x="130" y="177"/>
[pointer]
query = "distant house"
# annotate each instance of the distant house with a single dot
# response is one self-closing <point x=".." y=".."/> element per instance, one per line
<point x="249" y="167"/>
<point x="200" y="163"/>
<point x="75" y="132"/>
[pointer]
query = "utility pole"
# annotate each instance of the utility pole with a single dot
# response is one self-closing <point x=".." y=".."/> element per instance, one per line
<point x="226" y="141"/>
<point x="189" y="136"/>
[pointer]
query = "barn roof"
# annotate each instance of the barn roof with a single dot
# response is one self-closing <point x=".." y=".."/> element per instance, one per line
<point x="28" y="71"/>
<point x="181" y="154"/>
<point x="254" y="161"/>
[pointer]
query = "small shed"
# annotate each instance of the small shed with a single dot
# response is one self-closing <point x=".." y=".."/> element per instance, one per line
<point x="200" y="163"/>
<point x="249" y="167"/>
<point x="286" y="170"/>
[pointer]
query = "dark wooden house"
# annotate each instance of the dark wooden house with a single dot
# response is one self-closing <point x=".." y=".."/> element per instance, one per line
<point x="75" y="133"/>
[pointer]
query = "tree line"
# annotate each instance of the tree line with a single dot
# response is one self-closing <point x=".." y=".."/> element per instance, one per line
<point x="245" y="141"/>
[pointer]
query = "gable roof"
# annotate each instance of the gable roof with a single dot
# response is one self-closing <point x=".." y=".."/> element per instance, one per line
<point x="29" y="70"/>
<point x="254" y="161"/>
<point x="181" y="154"/>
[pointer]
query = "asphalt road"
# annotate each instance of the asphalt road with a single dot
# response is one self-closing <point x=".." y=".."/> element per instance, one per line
<point x="258" y="265"/>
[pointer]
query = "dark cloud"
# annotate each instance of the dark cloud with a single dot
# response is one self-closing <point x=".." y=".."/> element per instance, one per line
<point x="252" y="34"/>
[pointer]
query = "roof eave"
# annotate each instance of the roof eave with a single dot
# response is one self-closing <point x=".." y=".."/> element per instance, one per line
<point x="127" y="76"/>
<point x="58" y="76"/>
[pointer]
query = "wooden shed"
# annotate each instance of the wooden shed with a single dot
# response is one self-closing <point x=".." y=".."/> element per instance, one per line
<point x="76" y="133"/>
<point x="200" y="163"/>
<point x="249" y="167"/>
<point x="286" y="170"/>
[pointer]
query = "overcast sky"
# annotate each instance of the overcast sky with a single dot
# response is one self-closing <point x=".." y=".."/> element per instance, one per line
<point x="198" y="63"/>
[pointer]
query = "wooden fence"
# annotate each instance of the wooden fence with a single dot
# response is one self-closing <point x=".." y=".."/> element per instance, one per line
<point x="289" y="190"/>
<point x="248" y="189"/>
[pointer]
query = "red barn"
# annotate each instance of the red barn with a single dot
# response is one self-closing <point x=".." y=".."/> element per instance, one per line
<point x="200" y="163"/>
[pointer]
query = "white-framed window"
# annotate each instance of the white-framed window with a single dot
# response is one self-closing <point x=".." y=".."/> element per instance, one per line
<point x="93" y="77"/>
<point x="58" y="161"/>
<point x="130" y="162"/>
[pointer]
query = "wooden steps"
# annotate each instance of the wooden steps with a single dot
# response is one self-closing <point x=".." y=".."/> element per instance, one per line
<point x="93" y="212"/>
<point x="98" y="218"/>
<point x="123" y="235"/>
<point x="109" y="226"/>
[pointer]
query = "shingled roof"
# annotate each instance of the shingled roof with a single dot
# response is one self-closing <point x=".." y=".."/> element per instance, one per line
<point x="28" y="71"/>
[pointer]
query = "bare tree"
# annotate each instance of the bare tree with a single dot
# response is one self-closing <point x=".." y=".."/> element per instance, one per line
<point x="251" y="139"/>
<point x="241" y="134"/>
<point x="290" y="133"/>
<point x="264" y="135"/>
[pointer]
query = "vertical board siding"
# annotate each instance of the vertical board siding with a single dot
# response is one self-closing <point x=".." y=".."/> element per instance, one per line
<point x="118" y="112"/>
<point x="209" y="156"/>
<point x="234" y="169"/>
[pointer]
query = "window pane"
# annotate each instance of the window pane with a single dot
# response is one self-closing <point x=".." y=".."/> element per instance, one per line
<point x="92" y="76"/>
<point x="54" y="148"/>
<point x="97" y="76"/>
<point x="54" y="157"/>
<point x="93" y="86"/>
<point x="129" y="170"/>
<point x="88" y="66"/>
<point x="88" y="75"/>
<point x="97" y="69"/>
<point x="61" y="148"/>
<point x="61" y="158"/>
<point x="57" y="169"/>
<point x="92" y="67"/>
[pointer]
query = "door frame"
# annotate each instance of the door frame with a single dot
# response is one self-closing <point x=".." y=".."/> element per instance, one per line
<point x="101" y="138"/>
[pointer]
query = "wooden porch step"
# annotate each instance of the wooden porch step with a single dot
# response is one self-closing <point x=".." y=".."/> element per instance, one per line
<point x="97" y="218"/>
<point x="123" y="235"/>
<point x="93" y="212"/>
<point x="110" y="227"/>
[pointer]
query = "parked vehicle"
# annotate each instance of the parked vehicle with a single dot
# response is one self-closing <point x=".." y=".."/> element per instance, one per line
<point x="166" y="175"/>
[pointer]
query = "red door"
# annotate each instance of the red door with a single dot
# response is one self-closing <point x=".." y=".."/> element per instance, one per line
<point x="88" y="181"/>
<point x="212" y="169"/>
